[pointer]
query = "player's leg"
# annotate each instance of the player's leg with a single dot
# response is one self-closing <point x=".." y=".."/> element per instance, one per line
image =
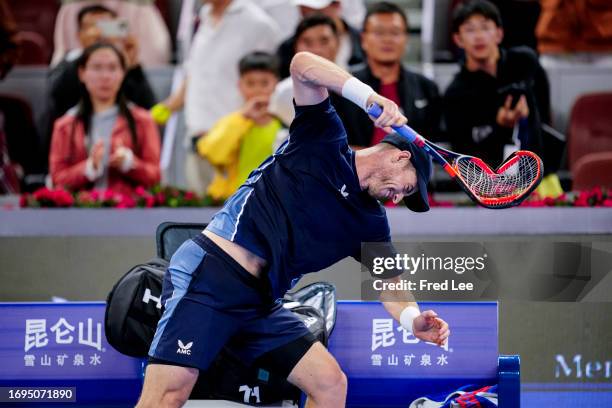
<point x="167" y="386"/>
<point x="320" y="377"/>
<point x="190" y="332"/>
<point x="189" y="342"/>
<point x="286" y="347"/>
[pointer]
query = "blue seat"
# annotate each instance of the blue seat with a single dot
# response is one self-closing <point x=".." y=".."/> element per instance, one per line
<point x="169" y="236"/>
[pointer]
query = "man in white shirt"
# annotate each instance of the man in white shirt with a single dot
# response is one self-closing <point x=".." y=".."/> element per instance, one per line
<point x="228" y="30"/>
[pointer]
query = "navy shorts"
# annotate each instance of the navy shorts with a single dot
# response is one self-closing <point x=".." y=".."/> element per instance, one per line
<point x="210" y="302"/>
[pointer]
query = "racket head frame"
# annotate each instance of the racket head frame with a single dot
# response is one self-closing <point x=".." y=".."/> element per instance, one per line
<point x="447" y="159"/>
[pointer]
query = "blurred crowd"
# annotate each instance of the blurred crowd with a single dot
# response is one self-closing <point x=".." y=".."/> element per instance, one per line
<point x="102" y="121"/>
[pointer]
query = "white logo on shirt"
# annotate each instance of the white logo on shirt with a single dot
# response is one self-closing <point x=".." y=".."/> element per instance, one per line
<point x="421" y="103"/>
<point x="184" y="348"/>
<point x="343" y="191"/>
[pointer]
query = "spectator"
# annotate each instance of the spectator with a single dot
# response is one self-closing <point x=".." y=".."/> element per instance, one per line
<point x="17" y="145"/>
<point x="63" y="80"/>
<point x="349" y="51"/>
<point x="499" y="99"/>
<point x="384" y="39"/>
<point x="318" y="34"/>
<point x="17" y="133"/>
<point x="10" y="170"/>
<point x="104" y="142"/>
<point x="577" y="31"/>
<point x="242" y="140"/>
<point x="9" y="44"/>
<point x="228" y="30"/>
<point x="142" y="16"/>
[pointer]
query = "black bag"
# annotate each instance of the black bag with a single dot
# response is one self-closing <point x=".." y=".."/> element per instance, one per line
<point x="133" y="309"/>
<point x="320" y="296"/>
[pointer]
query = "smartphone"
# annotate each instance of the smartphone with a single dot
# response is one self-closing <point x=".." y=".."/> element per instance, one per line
<point x="515" y="99"/>
<point x="515" y="90"/>
<point x="113" y="28"/>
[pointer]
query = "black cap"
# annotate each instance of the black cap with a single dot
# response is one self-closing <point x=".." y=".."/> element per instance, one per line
<point x="419" y="201"/>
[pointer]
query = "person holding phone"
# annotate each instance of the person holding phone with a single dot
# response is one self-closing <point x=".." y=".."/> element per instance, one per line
<point x="499" y="99"/>
<point x="144" y="19"/>
<point x="95" y="23"/>
<point x="104" y="141"/>
<point x="242" y="140"/>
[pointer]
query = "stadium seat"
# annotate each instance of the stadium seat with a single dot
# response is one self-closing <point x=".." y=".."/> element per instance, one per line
<point x="33" y="48"/>
<point x="37" y="16"/>
<point x="592" y="170"/>
<point x="20" y="131"/>
<point x="590" y="127"/>
<point x="171" y="235"/>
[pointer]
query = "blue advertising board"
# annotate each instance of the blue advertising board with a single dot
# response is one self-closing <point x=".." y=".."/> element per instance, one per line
<point x="389" y="367"/>
<point x="63" y="345"/>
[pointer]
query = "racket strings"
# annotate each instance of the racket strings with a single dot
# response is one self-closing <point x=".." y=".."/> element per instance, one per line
<point x="494" y="187"/>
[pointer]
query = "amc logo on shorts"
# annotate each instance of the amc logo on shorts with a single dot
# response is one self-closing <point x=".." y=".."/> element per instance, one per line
<point x="184" y="349"/>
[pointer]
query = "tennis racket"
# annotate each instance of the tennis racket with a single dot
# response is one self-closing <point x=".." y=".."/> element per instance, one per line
<point x="504" y="187"/>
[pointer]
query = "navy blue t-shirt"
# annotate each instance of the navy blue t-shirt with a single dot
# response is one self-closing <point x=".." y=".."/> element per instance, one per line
<point x="303" y="209"/>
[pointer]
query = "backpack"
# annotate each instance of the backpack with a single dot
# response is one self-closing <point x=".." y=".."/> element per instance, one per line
<point x="133" y="309"/>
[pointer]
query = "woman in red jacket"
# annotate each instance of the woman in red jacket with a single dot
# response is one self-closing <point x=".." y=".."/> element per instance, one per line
<point x="104" y="141"/>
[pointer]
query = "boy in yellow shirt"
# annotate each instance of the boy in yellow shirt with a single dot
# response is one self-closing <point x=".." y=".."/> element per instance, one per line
<point x="242" y="140"/>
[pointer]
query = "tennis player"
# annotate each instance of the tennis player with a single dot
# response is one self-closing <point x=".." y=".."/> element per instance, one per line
<point x="306" y="207"/>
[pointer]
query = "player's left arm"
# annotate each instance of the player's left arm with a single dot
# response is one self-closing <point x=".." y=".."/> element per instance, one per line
<point x="425" y="325"/>
<point x="313" y="76"/>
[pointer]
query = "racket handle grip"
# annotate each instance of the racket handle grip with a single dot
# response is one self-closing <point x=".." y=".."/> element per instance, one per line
<point x="375" y="110"/>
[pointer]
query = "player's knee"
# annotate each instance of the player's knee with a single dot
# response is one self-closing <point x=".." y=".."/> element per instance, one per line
<point x="167" y="386"/>
<point x="169" y="399"/>
<point x="174" y="399"/>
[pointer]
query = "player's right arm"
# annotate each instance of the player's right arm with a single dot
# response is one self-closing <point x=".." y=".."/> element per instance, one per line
<point x="313" y="76"/>
<point x="401" y="305"/>
<point x="398" y="301"/>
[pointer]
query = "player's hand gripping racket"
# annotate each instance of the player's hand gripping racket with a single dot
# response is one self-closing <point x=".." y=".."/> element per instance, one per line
<point x="506" y="186"/>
